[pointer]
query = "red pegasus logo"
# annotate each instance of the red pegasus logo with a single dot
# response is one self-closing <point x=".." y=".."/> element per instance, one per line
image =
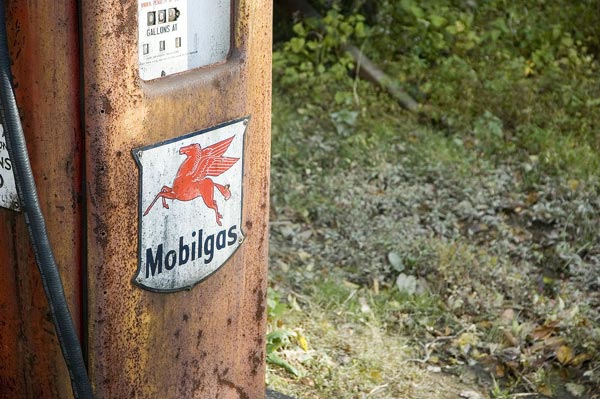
<point x="192" y="176"/>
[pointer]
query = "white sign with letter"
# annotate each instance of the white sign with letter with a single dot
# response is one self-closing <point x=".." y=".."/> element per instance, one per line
<point x="190" y="206"/>
<point x="8" y="190"/>
<point x="179" y="35"/>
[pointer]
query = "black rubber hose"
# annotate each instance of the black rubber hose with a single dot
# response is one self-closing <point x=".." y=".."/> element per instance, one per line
<point x="65" y="330"/>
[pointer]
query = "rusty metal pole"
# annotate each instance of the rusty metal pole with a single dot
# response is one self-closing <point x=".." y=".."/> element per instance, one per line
<point x="208" y="341"/>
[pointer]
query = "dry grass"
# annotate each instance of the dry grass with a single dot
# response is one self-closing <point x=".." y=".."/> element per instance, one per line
<point x="350" y="357"/>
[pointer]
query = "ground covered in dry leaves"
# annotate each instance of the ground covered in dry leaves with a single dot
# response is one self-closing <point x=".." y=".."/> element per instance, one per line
<point x="398" y="275"/>
<point x="448" y="254"/>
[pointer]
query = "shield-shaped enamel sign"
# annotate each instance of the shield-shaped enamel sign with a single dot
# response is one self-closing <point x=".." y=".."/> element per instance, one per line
<point x="190" y="206"/>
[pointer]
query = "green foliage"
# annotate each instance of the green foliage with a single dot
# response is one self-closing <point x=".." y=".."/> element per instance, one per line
<point x="425" y="29"/>
<point x="280" y="338"/>
<point x="275" y="308"/>
<point x="506" y="77"/>
<point x="277" y="340"/>
<point x="314" y="59"/>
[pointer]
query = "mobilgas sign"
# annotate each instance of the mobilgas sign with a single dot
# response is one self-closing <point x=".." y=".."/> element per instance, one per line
<point x="8" y="190"/>
<point x="190" y="208"/>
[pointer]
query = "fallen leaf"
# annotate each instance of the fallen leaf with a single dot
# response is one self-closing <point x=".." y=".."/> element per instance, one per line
<point x="553" y="342"/>
<point x="507" y="316"/>
<point x="406" y="283"/>
<point x="303" y="236"/>
<point x="500" y="371"/>
<point x="376" y="286"/>
<point x="275" y="359"/>
<point x="302" y="342"/>
<point x="544" y="331"/>
<point x="307" y="381"/>
<point x="395" y="261"/>
<point x="466" y="339"/>
<point x="434" y="369"/>
<point x="350" y="284"/>
<point x="545" y="390"/>
<point x="579" y="359"/>
<point x="532" y="197"/>
<point x="564" y="354"/>
<point x="478" y="228"/>
<point x="485" y="324"/>
<point x="510" y="338"/>
<point x="303" y="255"/>
<point x="375" y="375"/>
<point x="465" y="342"/>
<point x="511" y="355"/>
<point x="573" y="184"/>
<point x="287" y="231"/>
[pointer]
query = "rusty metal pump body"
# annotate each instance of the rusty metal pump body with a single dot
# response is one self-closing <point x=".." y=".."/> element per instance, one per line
<point x="84" y="109"/>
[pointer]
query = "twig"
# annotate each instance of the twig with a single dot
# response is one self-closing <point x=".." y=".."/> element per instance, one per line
<point x="428" y="345"/>
<point x="339" y="312"/>
<point x="305" y="298"/>
<point x="377" y="389"/>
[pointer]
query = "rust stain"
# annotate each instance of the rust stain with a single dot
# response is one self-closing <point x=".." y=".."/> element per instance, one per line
<point x="255" y="358"/>
<point x="238" y="389"/>
<point x="260" y="304"/>
<point x="199" y="338"/>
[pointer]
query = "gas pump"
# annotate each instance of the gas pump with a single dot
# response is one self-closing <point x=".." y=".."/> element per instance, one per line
<point x="148" y="130"/>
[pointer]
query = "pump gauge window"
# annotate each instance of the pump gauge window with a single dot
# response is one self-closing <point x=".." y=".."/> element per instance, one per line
<point x="162" y="16"/>
<point x="197" y="33"/>
<point x="173" y="14"/>
<point x="151" y="18"/>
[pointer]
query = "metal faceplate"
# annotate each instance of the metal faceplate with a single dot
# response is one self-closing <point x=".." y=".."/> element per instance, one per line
<point x="190" y="210"/>
<point x="8" y="190"/>
<point x="179" y="35"/>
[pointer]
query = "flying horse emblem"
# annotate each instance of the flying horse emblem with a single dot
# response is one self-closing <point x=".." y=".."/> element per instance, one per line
<point x="192" y="179"/>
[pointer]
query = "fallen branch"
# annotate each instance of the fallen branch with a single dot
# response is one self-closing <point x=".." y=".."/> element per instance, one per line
<point x="369" y="71"/>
